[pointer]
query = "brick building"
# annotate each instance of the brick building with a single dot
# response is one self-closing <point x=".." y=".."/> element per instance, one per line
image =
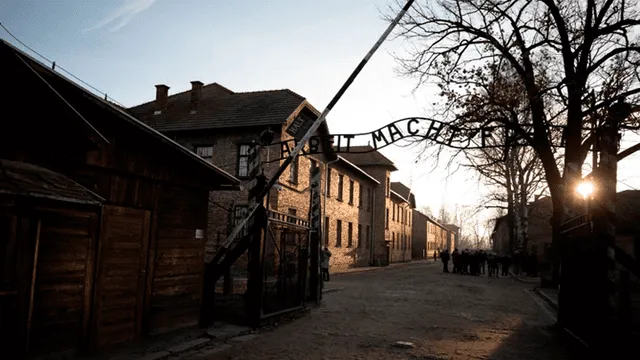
<point x="400" y="223"/>
<point x="219" y="125"/>
<point x="419" y="236"/>
<point x="437" y="236"/>
<point x="380" y="168"/>
<point x="400" y="229"/>
<point x="348" y="214"/>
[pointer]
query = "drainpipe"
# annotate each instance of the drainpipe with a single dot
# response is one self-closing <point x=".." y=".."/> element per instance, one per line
<point x="373" y="227"/>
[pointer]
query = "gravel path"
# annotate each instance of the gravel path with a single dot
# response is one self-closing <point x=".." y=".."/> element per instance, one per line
<point x="445" y="316"/>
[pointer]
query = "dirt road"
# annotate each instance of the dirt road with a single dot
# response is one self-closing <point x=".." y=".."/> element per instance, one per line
<point x="444" y="316"/>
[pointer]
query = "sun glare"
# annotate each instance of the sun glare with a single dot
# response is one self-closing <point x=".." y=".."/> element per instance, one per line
<point x="585" y="189"/>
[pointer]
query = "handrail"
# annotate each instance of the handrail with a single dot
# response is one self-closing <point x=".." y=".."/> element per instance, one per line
<point x="287" y="218"/>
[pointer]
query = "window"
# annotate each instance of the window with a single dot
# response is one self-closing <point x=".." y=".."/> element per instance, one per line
<point x="351" y="185"/>
<point x="328" y="181"/>
<point x="205" y="152"/>
<point x="340" y="186"/>
<point x="338" y="233"/>
<point x="312" y="165"/>
<point x="369" y="199"/>
<point x="366" y="241"/>
<point x="359" y="244"/>
<point x="350" y="235"/>
<point x="293" y="170"/>
<point x="243" y="160"/>
<point x="326" y="231"/>
<point x="393" y="240"/>
<point x="393" y="212"/>
<point x="360" y="195"/>
<point x="386" y="223"/>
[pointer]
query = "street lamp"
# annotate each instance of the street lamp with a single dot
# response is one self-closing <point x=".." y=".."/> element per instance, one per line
<point x="585" y="189"/>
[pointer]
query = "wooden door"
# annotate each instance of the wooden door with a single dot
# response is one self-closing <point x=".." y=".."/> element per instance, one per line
<point x="121" y="278"/>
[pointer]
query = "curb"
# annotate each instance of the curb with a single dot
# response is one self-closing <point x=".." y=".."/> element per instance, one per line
<point x="178" y="349"/>
<point x="377" y="268"/>
<point x="546" y="298"/>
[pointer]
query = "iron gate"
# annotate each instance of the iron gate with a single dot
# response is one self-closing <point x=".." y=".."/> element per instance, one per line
<point x="283" y="266"/>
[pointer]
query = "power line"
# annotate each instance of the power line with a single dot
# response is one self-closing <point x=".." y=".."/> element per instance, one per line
<point x="624" y="183"/>
<point x="55" y="66"/>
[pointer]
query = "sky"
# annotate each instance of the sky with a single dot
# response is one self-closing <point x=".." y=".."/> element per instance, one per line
<point x="125" y="47"/>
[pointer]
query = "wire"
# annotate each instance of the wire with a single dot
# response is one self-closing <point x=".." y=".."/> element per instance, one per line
<point x="55" y="66"/>
<point x="624" y="183"/>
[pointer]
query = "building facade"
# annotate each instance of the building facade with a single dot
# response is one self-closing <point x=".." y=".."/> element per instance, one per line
<point x="220" y="125"/>
<point x="380" y="168"/>
<point x="400" y="227"/>
<point x="437" y="237"/>
<point x="419" y="236"/>
<point x="348" y="214"/>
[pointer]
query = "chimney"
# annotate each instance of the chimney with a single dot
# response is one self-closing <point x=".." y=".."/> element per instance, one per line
<point x="162" y="93"/>
<point x="196" y="92"/>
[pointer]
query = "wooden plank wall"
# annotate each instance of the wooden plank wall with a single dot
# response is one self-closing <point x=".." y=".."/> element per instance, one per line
<point x="179" y="259"/>
<point x="63" y="278"/>
<point x="121" y="274"/>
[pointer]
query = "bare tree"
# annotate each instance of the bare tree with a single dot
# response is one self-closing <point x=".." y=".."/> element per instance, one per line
<point x="560" y="52"/>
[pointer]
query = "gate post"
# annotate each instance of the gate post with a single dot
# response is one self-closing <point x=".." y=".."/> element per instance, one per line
<point x="314" y="237"/>
<point x="253" y="297"/>
<point x="605" y="226"/>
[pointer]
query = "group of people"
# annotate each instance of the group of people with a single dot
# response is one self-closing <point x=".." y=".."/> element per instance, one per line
<point x="476" y="262"/>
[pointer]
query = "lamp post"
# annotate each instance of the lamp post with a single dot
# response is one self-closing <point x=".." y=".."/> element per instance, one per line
<point x="586" y="190"/>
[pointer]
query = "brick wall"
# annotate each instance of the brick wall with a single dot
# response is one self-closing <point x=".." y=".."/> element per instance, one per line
<point x="381" y="202"/>
<point x="437" y="237"/>
<point x="348" y="212"/>
<point x="400" y="230"/>
<point x="419" y="236"/>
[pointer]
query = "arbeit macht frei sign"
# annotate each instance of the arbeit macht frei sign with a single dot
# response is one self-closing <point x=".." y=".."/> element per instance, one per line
<point x="489" y="135"/>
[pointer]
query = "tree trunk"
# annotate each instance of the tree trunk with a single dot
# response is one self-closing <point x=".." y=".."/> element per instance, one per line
<point x="523" y="224"/>
<point x="510" y="201"/>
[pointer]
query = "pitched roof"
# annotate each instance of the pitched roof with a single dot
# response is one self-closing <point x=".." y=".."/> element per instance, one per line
<point x="404" y="191"/>
<point x="23" y="179"/>
<point x="349" y="165"/>
<point x="368" y="156"/>
<point x="60" y="83"/>
<point x="220" y="107"/>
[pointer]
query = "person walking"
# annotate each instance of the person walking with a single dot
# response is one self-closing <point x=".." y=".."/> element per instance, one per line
<point x="325" y="257"/>
<point x="444" y="256"/>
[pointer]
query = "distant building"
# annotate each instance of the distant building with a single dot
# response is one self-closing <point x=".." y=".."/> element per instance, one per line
<point x="454" y="236"/>
<point x="400" y="223"/>
<point x="540" y="232"/>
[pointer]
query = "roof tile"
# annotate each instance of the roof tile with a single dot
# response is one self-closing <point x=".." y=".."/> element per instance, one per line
<point x="220" y="107"/>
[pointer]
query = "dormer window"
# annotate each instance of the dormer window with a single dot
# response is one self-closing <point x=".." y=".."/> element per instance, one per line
<point x="157" y="112"/>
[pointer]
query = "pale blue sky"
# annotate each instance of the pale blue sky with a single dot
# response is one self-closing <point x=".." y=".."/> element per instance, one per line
<point x="125" y="47"/>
